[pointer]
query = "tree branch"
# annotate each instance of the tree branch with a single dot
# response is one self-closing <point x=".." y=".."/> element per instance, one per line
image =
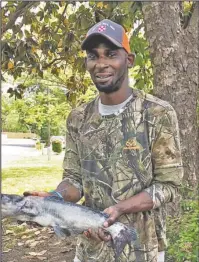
<point x="62" y="15"/>
<point x="53" y="61"/>
<point x="19" y="11"/>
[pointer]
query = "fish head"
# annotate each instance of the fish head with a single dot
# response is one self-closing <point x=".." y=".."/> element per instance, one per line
<point x="10" y="204"/>
<point x="14" y="206"/>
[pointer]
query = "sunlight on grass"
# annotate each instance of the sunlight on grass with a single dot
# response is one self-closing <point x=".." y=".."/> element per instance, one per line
<point x="18" y="180"/>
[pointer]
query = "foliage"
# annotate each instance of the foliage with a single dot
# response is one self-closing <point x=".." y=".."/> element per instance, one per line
<point x="38" y="145"/>
<point x="10" y="117"/>
<point x="40" y="37"/>
<point x="42" y="103"/>
<point x="183" y="234"/>
<point x="57" y="146"/>
<point x="142" y="71"/>
<point x="186" y="10"/>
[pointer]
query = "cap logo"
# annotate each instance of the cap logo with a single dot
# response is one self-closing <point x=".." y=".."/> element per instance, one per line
<point x="102" y="28"/>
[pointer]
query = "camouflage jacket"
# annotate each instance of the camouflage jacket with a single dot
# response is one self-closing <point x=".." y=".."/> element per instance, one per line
<point x="111" y="158"/>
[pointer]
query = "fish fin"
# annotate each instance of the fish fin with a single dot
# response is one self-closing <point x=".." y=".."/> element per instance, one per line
<point x="125" y="236"/>
<point x="61" y="231"/>
<point x="65" y="232"/>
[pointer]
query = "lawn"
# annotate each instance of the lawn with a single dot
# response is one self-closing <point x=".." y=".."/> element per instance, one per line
<point x="16" y="180"/>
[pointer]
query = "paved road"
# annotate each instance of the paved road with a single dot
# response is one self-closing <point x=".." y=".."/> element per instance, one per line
<point x="16" y="149"/>
<point x="22" y="152"/>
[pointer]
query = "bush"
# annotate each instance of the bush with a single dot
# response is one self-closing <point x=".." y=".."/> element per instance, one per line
<point x="57" y="146"/>
<point x="183" y="234"/>
<point x="38" y="145"/>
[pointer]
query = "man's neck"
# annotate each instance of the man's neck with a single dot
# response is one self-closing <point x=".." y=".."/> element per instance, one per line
<point x="117" y="97"/>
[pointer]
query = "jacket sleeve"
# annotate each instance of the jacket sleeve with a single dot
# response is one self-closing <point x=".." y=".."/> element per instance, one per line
<point x="166" y="160"/>
<point x="71" y="163"/>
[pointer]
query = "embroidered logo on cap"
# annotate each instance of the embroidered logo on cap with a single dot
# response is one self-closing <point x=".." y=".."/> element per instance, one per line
<point x="102" y="28"/>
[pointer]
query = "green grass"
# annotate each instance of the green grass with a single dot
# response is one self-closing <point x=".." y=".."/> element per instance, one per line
<point x="19" y="179"/>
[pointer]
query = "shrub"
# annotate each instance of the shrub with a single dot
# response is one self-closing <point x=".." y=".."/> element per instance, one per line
<point x="182" y="233"/>
<point x="38" y="145"/>
<point x="57" y="146"/>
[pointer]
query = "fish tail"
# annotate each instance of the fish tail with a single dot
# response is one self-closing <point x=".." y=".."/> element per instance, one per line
<point x="124" y="237"/>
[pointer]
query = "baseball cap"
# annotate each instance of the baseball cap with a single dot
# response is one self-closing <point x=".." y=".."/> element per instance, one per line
<point x="110" y="30"/>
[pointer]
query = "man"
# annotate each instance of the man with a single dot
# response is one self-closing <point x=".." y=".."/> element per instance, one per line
<point x="122" y="153"/>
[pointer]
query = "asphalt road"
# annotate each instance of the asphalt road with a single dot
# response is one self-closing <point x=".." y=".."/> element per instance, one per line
<point x="17" y="149"/>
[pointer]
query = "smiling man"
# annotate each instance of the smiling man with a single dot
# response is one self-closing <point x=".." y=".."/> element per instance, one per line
<point x="127" y="151"/>
<point x="122" y="153"/>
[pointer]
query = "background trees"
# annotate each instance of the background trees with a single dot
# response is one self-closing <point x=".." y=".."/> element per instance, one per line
<point x="43" y="38"/>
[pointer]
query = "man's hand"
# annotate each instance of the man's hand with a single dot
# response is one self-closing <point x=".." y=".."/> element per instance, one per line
<point x="114" y="213"/>
<point x="98" y="236"/>
<point x="37" y="193"/>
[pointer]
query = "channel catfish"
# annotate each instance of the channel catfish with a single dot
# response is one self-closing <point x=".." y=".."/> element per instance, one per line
<point x="66" y="218"/>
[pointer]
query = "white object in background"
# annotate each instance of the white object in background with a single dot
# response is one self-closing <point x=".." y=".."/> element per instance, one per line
<point x="161" y="256"/>
<point x="49" y="152"/>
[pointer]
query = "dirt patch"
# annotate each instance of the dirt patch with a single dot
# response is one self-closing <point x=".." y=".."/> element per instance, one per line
<point x="30" y="243"/>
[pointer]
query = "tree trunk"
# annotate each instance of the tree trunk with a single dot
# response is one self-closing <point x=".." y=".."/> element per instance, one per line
<point x="174" y="54"/>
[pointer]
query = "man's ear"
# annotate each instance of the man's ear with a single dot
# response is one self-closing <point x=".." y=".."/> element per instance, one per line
<point x="131" y="59"/>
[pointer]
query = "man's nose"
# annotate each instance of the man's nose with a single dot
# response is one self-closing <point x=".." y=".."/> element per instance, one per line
<point x="102" y="63"/>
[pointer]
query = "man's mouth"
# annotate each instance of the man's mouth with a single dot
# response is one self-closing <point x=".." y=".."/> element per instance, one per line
<point x="103" y="77"/>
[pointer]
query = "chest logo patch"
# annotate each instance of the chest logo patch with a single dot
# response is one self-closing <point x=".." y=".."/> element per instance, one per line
<point x="131" y="144"/>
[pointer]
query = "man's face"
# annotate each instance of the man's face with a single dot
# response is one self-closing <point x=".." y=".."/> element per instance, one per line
<point x="107" y="65"/>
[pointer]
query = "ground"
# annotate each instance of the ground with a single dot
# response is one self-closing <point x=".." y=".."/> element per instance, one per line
<point x="25" y="242"/>
<point x="37" y="244"/>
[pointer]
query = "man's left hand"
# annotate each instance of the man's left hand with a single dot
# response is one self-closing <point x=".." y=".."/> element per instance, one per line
<point x="114" y="213"/>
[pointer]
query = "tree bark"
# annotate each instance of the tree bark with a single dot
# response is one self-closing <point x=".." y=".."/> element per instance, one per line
<point x="174" y="54"/>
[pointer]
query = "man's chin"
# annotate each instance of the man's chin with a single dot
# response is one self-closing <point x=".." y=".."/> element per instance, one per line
<point x="107" y="89"/>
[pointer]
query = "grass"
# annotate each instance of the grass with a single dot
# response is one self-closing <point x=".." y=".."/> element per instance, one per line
<point x="19" y="179"/>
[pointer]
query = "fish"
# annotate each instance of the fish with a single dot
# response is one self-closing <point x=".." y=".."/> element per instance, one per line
<point x="66" y="218"/>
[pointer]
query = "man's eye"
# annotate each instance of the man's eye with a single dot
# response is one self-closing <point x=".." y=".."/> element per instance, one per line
<point x="112" y="54"/>
<point x="91" y="56"/>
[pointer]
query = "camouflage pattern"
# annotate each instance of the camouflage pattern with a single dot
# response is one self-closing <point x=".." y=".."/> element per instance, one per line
<point x="112" y="158"/>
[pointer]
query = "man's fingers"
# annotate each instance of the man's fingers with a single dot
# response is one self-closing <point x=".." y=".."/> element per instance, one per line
<point x="87" y="234"/>
<point x="36" y="193"/>
<point x="92" y="235"/>
<point x="110" y="221"/>
<point x="106" y="224"/>
<point x="99" y="236"/>
<point x="103" y="235"/>
<point x="27" y="193"/>
<point x="31" y="193"/>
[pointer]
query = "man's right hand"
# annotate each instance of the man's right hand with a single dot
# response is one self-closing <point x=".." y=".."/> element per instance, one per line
<point x="37" y="193"/>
